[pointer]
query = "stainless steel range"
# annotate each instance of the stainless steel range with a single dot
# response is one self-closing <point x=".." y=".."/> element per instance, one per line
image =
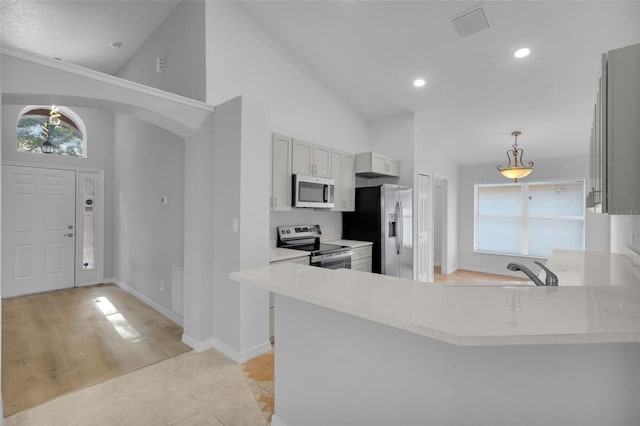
<point x="307" y="238"/>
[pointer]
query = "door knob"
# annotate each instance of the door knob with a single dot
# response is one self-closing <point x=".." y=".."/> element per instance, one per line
<point x="70" y="234"/>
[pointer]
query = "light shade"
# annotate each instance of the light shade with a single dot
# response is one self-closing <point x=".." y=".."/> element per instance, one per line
<point x="516" y="172"/>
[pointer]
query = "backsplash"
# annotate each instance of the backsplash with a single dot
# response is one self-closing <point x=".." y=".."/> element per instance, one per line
<point x="625" y="233"/>
<point x="330" y="222"/>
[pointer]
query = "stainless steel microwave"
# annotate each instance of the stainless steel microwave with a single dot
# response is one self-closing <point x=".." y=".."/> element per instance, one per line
<point x="311" y="191"/>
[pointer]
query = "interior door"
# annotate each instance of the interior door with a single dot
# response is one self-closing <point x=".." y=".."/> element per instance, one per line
<point x="405" y="258"/>
<point x="424" y="255"/>
<point x="38" y="230"/>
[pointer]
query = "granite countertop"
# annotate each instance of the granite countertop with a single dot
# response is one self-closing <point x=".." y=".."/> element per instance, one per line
<point x="580" y="268"/>
<point x="463" y="315"/>
<point x="278" y="254"/>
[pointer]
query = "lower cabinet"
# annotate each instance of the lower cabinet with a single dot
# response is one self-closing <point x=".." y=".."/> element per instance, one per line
<point x="301" y="260"/>
<point x="361" y="259"/>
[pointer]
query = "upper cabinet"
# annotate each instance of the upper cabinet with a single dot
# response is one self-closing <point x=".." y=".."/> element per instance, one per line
<point x="371" y="164"/>
<point x="281" y="153"/>
<point x="615" y="140"/>
<point x="342" y="172"/>
<point x="311" y="159"/>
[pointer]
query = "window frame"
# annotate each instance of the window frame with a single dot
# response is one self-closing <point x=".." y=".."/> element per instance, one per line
<point x="525" y="217"/>
<point x="70" y="114"/>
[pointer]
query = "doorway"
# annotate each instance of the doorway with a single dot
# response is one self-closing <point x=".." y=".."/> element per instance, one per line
<point x="440" y="225"/>
<point x="38" y="230"/>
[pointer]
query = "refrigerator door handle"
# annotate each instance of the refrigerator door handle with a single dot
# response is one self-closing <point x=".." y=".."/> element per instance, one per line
<point x="400" y="220"/>
<point x="398" y="227"/>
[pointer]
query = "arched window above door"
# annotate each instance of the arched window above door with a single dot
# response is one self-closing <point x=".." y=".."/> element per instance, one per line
<point x="51" y="130"/>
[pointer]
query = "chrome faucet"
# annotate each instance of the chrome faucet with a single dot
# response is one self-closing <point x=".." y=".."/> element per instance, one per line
<point x="518" y="267"/>
<point x="551" y="279"/>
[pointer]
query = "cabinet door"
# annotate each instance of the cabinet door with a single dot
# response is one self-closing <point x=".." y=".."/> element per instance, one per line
<point x="393" y="167"/>
<point x="281" y="173"/>
<point x="336" y="175"/>
<point x="378" y="164"/>
<point x="623" y="128"/>
<point x="321" y="161"/>
<point x="302" y="158"/>
<point x="363" y="265"/>
<point x="348" y="196"/>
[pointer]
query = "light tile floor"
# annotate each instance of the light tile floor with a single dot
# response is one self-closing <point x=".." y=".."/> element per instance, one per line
<point x="191" y="389"/>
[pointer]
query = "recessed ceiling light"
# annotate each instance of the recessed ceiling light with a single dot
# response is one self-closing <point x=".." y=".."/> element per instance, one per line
<point x="521" y="53"/>
<point x="419" y="82"/>
<point x="116" y="44"/>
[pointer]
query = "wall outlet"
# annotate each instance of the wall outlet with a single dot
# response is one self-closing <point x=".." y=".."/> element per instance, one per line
<point x="160" y="64"/>
<point x="235" y="224"/>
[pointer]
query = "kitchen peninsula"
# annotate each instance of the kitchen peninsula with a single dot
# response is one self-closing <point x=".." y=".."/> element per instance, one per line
<point x="355" y="348"/>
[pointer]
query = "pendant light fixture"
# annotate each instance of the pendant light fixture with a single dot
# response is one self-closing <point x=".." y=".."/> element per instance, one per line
<point x="54" y="120"/>
<point x="517" y="170"/>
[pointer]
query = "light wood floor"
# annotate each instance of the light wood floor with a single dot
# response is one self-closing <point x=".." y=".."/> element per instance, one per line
<point x="57" y="342"/>
<point x="462" y="276"/>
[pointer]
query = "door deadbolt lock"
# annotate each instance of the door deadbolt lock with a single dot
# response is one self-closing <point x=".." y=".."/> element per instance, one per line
<point x="70" y="226"/>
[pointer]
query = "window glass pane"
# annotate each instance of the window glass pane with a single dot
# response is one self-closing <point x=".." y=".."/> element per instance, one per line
<point x="548" y="234"/>
<point x="35" y="127"/>
<point x="499" y="201"/>
<point x="89" y="228"/>
<point x="498" y="235"/>
<point x="561" y="199"/>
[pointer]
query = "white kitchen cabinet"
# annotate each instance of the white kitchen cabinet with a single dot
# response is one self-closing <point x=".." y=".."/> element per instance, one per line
<point x="311" y="159"/>
<point x="304" y="260"/>
<point x="361" y="260"/>
<point x="623" y="128"/>
<point x="281" y="162"/>
<point x="342" y="172"/>
<point x="615" y="151"/>
<point x="371" y="164"/>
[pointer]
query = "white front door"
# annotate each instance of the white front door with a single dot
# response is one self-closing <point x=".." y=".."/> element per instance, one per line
<point x="38" y="230"/>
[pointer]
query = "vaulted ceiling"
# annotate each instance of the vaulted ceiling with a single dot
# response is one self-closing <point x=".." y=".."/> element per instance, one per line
<point x="370" y="52"/>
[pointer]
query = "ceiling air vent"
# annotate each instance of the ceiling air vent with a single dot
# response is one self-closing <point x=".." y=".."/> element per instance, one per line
<point x="470" y="22"/>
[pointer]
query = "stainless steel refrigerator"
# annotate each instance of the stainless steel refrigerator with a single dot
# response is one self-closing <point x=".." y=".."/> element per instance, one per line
<point x="384" y="216"/>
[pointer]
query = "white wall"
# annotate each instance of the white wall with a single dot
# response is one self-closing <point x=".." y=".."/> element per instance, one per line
<point x="395" y="137"/>
<point x="241" y="160"/>
<point x="243" y="58"/>
<point x="180" y="41"/>
<point x="99" y="125"/>
<point x="148" y="163"/>
<point x="544" y="169"/>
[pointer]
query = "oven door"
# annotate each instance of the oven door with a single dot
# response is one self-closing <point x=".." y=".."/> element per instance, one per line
<point x="314" y="192"/>
<point x="333" y="260"/>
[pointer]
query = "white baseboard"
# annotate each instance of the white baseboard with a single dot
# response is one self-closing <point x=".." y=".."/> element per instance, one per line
<point x="241" y="357"/>
<point x="164" y="311"/>
<point x="275" y="421"/>
<point x="197" y="345"/>
<point x="228" y="351"/>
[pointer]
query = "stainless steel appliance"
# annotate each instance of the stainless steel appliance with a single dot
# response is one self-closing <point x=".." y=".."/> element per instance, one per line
<point x="307" y="238"/>
<point x="384" y="216"/>
<point x="311" y="191"/>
